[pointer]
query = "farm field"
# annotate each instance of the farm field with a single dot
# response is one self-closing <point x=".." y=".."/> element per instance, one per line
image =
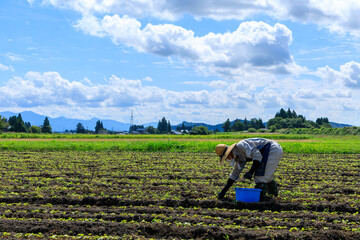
<point x="291" y="143"/>
<point x="171" y="195"/>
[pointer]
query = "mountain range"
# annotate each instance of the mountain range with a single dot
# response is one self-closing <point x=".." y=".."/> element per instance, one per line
<point x="61" y="124"/>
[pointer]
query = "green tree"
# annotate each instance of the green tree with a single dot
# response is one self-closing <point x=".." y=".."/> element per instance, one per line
<point x="80" y="128"/>
<point x="151" y="130"/>
<point x="3" y="123"/>
<point x="17" y="124"/>
<point x="238" y="126"/>
<point x="227" y="126"/>
<point x="282" y="113"/>
<point x="163" y="126"/>
<point x="12" y="121"/>
<point x="168" y="126"/>
<point x="246" y="124"/>
<point x="272" y="128"/>
<point x="183" y="127"/>
<point x="46" y="128"/>
<point x="135" y="127"/>
<point x="291" y="120"/>
<point x="27" y="126"/>
<point x="251" y="130"/>
<point x="35" y="129"/>
<point x="289" y="113"/>
<point x="323" y="122"/>
<point x="256" y="123"/>
<point x="278" y="122"/>
<point x="99" y="126"/>
<point x="199" y="130"/>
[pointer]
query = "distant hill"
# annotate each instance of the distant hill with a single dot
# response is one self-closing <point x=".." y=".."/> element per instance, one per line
<point x="192" y="124"/>
<point x="219" y="126"/>
<point x="61" y="124"/>
<point x="339" y="125"/>
<point x="210" y="127"/>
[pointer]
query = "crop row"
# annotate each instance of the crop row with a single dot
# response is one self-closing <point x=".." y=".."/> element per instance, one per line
<point x="93" y="219"/>
<point x="302" y="178"/>
<point x="133" y="195"/>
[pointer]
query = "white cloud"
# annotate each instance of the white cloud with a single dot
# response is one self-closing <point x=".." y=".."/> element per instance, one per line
<point x="31" y="2"/>
<point x="50" y="94"/>
<point x="49" y="89"/>
<point x="337" y="16"/>
<point x="254" y="46"/>
<point x="270" y="98"/>
<point x="147" y="79"/>
<point x="218" y="84"/>
<point x="89" y="24"/>
<point x="178" y="99"/>
<point x="349" y="75"/>
<point x="6" y="68"/>
<point x="253" y="57"/>
<point x="135" y="8"/>
<point x="13" y="56"/>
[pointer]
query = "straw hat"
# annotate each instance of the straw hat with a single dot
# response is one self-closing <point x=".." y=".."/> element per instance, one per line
<point x="223" y="151"/>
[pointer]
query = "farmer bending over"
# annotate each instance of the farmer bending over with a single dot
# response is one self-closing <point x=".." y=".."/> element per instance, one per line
<point x="265" y="156"/>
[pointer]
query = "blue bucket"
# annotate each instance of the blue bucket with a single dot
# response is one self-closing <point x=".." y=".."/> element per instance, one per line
<point x="247" y="194"/>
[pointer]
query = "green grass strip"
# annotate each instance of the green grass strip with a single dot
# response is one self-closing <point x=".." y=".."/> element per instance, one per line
<point x="323" y="145"/>
<point x="232" y="135"/>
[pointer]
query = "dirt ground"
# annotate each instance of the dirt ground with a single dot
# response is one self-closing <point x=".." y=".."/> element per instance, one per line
<point x="116" y="219"/>
<point x="118" y="195"/>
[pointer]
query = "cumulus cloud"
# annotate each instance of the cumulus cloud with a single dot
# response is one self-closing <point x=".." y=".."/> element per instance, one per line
<point x="49" y="88"/>
<point x="270" y="98"/>
<point x="349" y="75"/>
<point x="218" y="84"/>
<point x="168" y="9"/>
<point x="49" y="91"/>
<point x="254" y="45"/>
<point x="337" y="16"/>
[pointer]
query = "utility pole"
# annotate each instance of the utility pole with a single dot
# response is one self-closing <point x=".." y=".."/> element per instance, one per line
<point x="131" y="122"/>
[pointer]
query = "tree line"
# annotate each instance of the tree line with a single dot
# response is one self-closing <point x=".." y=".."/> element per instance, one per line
<point x="81" y="129"/>
<point x="17" y="124"/>
<point x="290" y="120"/>
<point x="283" y="119"/>
<point x="163" y="127"/>
<point x="238" y="125"/>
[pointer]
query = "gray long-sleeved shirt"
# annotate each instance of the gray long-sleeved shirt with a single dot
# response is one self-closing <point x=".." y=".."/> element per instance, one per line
<point x="246" y="149"/>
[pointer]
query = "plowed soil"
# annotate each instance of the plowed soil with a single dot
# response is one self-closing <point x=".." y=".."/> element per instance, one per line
<point x="171" y="196"/>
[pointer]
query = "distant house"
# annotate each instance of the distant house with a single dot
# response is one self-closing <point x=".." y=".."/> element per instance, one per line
<point x="139" y="131"/>
<point x="175" y="132"/>
<point x="121" y="133"/>
<point x="103" y="131"/>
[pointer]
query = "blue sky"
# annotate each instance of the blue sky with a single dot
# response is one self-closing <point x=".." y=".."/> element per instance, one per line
<point x="199" y="61"/>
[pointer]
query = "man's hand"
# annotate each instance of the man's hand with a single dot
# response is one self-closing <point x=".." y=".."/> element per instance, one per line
<point x="229" y="183"/>
<point x="221" y="195"/>
<point x="248" y="175"/>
